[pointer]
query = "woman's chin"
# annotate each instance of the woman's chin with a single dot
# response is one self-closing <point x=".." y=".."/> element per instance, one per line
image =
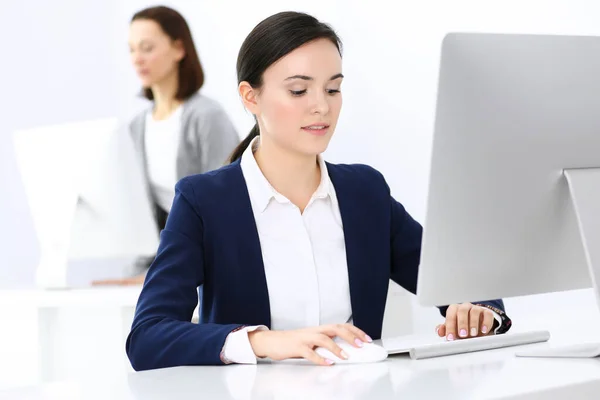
<point x="146" y="83"/>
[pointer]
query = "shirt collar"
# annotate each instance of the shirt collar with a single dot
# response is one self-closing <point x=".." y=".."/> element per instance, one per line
<point x="260" y="190"/>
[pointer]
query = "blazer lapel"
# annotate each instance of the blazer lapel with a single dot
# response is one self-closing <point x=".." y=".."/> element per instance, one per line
<point x="365" y="251"/>
<point x="250" y="283"/>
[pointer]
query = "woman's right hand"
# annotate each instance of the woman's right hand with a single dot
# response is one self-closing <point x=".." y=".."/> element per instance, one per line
<point x="301" y="343"/>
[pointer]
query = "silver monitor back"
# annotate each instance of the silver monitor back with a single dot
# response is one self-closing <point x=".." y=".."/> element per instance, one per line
<point x="86" y="194"/>
<point x="513" y="112"/>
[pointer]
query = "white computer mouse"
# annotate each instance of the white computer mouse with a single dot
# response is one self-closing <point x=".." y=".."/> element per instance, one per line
<point x="369" y="353"/>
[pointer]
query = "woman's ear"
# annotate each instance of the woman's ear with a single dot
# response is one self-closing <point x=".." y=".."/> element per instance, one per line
<point x="249" y="97"/>
<point x="179" y="48"/>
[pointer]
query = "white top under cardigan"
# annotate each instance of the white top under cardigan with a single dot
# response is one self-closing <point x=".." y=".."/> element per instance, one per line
<point x="161" y="142"/>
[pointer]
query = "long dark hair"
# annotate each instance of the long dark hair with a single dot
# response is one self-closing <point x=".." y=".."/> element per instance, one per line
<point x="270" y="40"/>
<point x="191" y="74"/>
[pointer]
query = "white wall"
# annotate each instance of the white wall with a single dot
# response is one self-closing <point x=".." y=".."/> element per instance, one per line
<point x="60" y="66"/>
<point x="55" y="66"/>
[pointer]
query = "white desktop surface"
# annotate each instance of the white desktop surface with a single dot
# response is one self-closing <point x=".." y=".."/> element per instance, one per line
<point x="491" y="375"/>
<point x="101" y="296"/>
<point x="75" y="350"/>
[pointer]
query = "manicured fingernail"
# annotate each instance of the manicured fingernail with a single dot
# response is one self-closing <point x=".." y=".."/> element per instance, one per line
<point x="358" y="342"/>
<point x="328" y="361"/>
<point x="484" y="329"/>
<point x="450" y="337"/>
<point x="463" y="332"/>
<point x="344" y="355"/>
<point x="473" y="331"/>
<point x="368" y="338"/>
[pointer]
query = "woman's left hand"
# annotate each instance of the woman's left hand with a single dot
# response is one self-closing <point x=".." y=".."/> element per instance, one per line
<point x="466" y="320"/>
<point x="133" y="281"/>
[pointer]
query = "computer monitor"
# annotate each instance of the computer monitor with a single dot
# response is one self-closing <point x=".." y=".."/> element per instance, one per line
<point x="86" y="195"/>
<point x="513" y="206"/>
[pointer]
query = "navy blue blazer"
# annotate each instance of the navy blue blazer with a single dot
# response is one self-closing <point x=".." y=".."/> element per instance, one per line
<point x="211" y="242"/>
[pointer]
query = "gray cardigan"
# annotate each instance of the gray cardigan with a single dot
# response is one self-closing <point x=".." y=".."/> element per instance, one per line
<point x="207" y="138"/>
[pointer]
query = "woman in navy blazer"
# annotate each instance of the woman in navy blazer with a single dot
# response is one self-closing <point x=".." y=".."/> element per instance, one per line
<point x="289" y="75"/>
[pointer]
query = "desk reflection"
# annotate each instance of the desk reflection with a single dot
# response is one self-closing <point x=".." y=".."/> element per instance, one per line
<point x="299" y="380"/>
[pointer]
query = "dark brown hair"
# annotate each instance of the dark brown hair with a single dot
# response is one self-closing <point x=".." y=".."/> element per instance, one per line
<point x="270" y="40"/>
<point x="191" y="75"/>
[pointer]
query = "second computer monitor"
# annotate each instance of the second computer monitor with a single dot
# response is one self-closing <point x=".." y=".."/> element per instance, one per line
<point x="87" y="197"/>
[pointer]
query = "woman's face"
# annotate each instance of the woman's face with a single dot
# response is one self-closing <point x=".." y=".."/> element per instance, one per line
<point x="299" y="103"/>
<point x="153" y="54"/>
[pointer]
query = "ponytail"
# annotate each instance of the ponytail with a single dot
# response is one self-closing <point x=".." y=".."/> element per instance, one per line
<point x="241" y="148"/>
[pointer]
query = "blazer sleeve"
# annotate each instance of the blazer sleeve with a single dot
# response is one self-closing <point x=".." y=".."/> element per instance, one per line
<point x="162" y="334"/>
<point x="406" y="240"/>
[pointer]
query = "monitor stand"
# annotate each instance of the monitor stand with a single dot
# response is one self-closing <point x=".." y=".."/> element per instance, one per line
<point x="584" y="186"/>
<point x="54" y="238"/>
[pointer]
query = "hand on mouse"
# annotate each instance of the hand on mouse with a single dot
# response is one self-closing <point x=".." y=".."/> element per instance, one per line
<point x="466" y="320"/>
<point x="301" y="343"/>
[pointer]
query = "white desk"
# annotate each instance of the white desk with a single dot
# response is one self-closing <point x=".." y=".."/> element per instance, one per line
<point x="491" y="375"/>
<point x="93" y="297"/>
<point x="47" y="333"/>
<point x="78" y="353"/>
